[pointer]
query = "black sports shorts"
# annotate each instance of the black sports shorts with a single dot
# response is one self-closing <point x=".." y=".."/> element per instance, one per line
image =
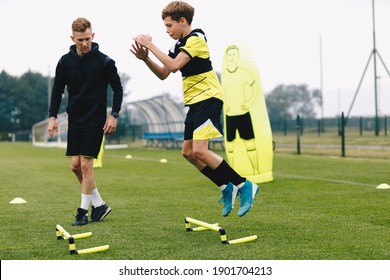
<point x="202" y="114"/>
<point x="85" y="141"/>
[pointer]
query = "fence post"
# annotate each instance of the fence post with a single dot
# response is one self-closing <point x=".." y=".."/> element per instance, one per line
<point x="361" y="126"/>
<point x="298" y="127"/>
<point x="385" y="125"/>
<point x="342" y="135"/>
<point x="319" y="127"/>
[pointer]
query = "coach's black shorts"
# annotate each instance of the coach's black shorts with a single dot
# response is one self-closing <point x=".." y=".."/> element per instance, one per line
<point x="203" y="120"/>
<point x="242" y="123"/>
<point x="84" y="142"/>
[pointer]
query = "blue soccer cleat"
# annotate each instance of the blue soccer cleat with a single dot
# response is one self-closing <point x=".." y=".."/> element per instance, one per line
<point x="247" y="194"/>
<point x="228" y="196"/>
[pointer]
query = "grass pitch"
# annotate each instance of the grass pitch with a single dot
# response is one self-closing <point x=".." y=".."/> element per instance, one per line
<point x="317" y="207"/>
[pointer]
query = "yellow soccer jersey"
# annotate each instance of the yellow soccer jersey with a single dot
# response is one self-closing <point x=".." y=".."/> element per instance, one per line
<point x="200" y="82"/>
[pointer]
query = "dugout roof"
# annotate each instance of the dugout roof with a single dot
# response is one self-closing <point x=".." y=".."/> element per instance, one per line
<point x="158" y="114"/>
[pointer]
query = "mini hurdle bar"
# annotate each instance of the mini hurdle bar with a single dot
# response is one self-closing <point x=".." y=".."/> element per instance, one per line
<point x="214" y="227"/>
<point x="63" y="234"/>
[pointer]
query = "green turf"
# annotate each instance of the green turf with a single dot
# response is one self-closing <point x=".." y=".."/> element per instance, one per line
<point x="317" y="207"/>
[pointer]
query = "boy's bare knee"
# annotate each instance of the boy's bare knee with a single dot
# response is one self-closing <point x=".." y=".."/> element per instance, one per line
<point x="199" y="154"/>
<point x="186" y="154"/>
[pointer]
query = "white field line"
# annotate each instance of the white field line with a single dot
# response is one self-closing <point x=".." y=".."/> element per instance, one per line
<point x="325" y="180"/>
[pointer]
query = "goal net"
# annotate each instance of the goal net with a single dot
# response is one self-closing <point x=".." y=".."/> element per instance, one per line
<point x="41" y="137"/>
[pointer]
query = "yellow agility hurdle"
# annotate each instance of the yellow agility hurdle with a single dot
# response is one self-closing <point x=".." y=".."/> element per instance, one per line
<point x="214" y="227"/>
<point x="63" y="234"/>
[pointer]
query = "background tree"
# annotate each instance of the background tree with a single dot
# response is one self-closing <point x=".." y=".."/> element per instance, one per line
<point x="285" y="102"/>
<point x="32" y="99"/>
<point x="7" y="101"/>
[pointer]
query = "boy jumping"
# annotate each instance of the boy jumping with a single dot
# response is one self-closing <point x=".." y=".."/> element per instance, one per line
<point x="203" y="95"/>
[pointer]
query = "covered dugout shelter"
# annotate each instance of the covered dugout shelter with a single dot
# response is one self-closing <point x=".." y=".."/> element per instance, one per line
<point x="161" y="120"/>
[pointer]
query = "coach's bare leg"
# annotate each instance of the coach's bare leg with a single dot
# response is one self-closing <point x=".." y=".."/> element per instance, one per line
<point x="88" y="181"/>
<point x="75" y="166"/>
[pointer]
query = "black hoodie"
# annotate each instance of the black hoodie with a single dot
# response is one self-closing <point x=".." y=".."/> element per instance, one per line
<point x="87" y="78"/>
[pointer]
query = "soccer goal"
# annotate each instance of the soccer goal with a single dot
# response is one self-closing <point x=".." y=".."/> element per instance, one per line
<point x="41" y="137"/>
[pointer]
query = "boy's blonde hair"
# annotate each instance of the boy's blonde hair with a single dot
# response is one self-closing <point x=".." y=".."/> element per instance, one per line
<point x="178" y="9"/>
<point x="81" y="25"/>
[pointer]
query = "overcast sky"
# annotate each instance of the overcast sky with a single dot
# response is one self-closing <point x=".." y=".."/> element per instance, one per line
<point x="284" y="36"/>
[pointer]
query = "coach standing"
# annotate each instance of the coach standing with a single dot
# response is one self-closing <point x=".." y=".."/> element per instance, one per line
<point x="86" y="72"/>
